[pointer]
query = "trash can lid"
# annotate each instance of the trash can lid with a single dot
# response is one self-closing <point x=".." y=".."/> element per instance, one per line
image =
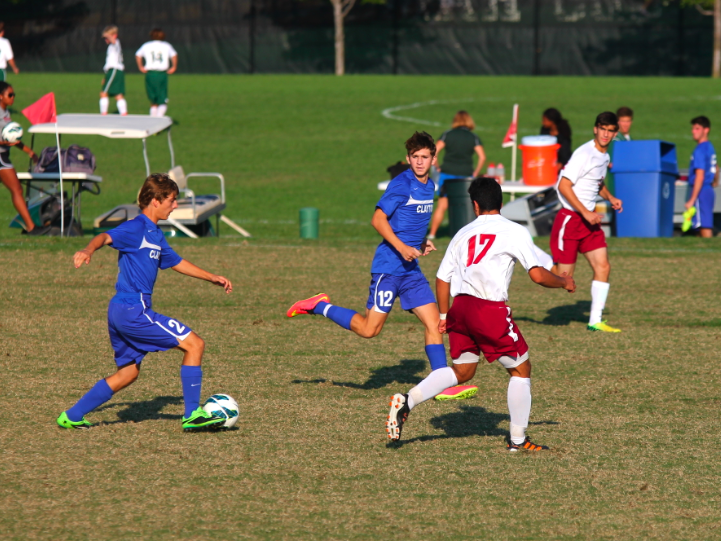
<point x="538" y="140"/>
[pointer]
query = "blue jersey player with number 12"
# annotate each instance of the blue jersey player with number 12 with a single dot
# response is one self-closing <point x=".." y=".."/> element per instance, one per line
<point x="135" y="329"/>
<point x="401" y="218"/>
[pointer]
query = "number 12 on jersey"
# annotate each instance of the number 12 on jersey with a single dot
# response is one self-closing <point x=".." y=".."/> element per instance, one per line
<point x="478" y="244"/>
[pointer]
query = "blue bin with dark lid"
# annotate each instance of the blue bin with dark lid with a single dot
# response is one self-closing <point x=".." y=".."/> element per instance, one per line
<point x="645" y="179"/>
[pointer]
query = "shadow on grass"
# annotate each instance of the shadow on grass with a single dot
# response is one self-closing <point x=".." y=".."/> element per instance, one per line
<point x="145" y="410"/>
<point x="563" y="315"/>
<point x="467" y="421"/>
<point x="405" y="372"/>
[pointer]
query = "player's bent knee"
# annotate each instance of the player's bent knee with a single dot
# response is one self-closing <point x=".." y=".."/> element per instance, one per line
<point x="509" y="361"/>
<point x="465" y="366"/>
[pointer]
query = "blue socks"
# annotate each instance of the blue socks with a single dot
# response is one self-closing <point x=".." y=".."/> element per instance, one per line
<point x="191" y="377"/>
<point x="95" y="397"/>
<point x="338" y="315"/>
<point x="437" y="356"/>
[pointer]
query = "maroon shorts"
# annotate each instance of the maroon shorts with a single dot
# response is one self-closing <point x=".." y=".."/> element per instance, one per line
<point x="476" y="325"/>
<point x="572" y="234"/>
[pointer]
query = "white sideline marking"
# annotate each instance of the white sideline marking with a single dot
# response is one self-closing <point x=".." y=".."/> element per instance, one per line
<point x="389" y="112"/>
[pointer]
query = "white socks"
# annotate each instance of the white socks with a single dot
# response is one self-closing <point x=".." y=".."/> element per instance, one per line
<point x="122" y="106"/>
<point x="599" y="293"/>
<point x="436" y="382"/>
<point x="104" y="106"/>
<point x="154" y="110"/>
<point x="519" y="406"/>
<point x="162" y="109"/>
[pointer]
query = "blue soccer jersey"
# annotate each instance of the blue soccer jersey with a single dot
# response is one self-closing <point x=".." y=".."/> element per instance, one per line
<point x="703" y="157"/>
<point x="408" y="203"/>
<point x="142" y="251"/>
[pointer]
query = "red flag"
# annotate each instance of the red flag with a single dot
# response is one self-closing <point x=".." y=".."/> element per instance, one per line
<point x="42" y="110"/>
<point x="510" y="139"/>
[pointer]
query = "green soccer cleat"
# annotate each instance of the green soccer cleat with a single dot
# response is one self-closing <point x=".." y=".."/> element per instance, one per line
<point x="687" y="217"/>
<point x="201" y="420"/>
<point x="602" y="327"/>
<point x="64" y="422"/>
<point x="459" y="392"/>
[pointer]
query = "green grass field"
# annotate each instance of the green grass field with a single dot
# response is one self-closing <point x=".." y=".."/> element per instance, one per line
<point x="632" y="419"/>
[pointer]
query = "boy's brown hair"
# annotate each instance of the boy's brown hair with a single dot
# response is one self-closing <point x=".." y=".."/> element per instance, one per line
<point x="419" y="141"/>
<point x="157" y="34"/>
<point x="157" y="186"/>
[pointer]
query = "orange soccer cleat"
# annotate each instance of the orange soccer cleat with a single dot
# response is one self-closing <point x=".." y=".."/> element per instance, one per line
<point x="306" y="305"/>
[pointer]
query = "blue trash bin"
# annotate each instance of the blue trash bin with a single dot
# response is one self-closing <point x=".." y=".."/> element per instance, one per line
<point x="645" y="179"/>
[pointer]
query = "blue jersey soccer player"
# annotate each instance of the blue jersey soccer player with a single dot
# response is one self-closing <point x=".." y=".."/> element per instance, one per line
<point x="135" y="329"/>
<point x="401" y="217"/>
<point x="702" y="177"/>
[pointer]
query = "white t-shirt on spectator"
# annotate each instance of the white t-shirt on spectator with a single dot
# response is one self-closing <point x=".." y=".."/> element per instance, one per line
<point x="586" y="170"/>
<point x="6" y="53"/>
<point x="157" y="55"/>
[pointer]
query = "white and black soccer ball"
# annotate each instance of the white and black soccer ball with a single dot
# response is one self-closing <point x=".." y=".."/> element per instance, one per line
<point x="223" y="405"/>
<point x="12" y="132"/>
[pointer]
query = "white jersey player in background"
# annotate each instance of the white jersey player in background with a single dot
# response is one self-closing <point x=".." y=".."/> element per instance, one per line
<point x="476" y="270"/>
<point x="577" y="227"/>
<point x="154" y="59"/>
<point x="114" y="69"/>
<point x="6" y="55"/>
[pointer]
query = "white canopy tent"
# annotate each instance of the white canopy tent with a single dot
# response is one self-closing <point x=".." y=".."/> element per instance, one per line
<point x="112" y="126"/>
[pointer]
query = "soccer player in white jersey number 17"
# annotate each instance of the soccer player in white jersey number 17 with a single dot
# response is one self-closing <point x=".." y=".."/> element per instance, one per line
<point x="476" y="270"/>
<point x="577" y="227"/>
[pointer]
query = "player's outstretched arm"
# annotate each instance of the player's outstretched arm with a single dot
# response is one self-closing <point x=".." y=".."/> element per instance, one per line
<point x="547" y="279"/>
<point x="381" y="224"/>
<point x="443" y="295"/>
<point x="616" y="203"/>
<point x="84" y="255"/>
<point x="187" y="268"/>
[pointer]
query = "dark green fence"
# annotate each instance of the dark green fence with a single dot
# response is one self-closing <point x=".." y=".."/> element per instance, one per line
<point x="480" y="37"/>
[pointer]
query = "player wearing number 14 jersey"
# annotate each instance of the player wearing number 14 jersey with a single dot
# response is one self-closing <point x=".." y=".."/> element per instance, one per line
<point x="476" y="270"/>
<point x="135" y="329"/>
<point x="401" y="218"/>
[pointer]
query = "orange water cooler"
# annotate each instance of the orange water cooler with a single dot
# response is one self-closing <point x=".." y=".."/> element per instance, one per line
<point x="540" y="157"/>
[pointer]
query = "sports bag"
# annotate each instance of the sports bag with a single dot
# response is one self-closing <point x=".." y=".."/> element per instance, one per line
<point x="76" y="159"/>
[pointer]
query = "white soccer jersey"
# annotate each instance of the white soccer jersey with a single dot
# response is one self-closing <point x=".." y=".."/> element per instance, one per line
<point x="157" y="55"/>
<point x="479" y="260"/>
<point x="114" y="57"/>
<point x="6" y="53"/>
<point x="586" y="170"/>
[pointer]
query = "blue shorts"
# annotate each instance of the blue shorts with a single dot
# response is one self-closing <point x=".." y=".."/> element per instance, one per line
<point x="136" y="330"/>
<point x="704" y="208"/>
<point x="413" y="290"/>
<point x="442" y="177"/>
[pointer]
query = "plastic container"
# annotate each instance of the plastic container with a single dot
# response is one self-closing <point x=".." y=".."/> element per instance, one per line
<point x="540" y="159"/>
<point x="309" y="218"/>
<point x="645" y="174"/>
<point x="491" y="171"/>
<point x="500" y="173"/>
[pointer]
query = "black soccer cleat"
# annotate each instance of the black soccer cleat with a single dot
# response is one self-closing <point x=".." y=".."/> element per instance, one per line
<point x="527" y="445"/>
<point x="397" y="416"/>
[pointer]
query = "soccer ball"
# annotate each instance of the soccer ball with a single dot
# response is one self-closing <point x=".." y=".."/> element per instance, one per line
<point x="12" y="133"/>
<point x="222" y="405"/>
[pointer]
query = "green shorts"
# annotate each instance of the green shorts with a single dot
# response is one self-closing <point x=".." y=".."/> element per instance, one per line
<point x="156" y="85"/>
<point x="114" y="82"/>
